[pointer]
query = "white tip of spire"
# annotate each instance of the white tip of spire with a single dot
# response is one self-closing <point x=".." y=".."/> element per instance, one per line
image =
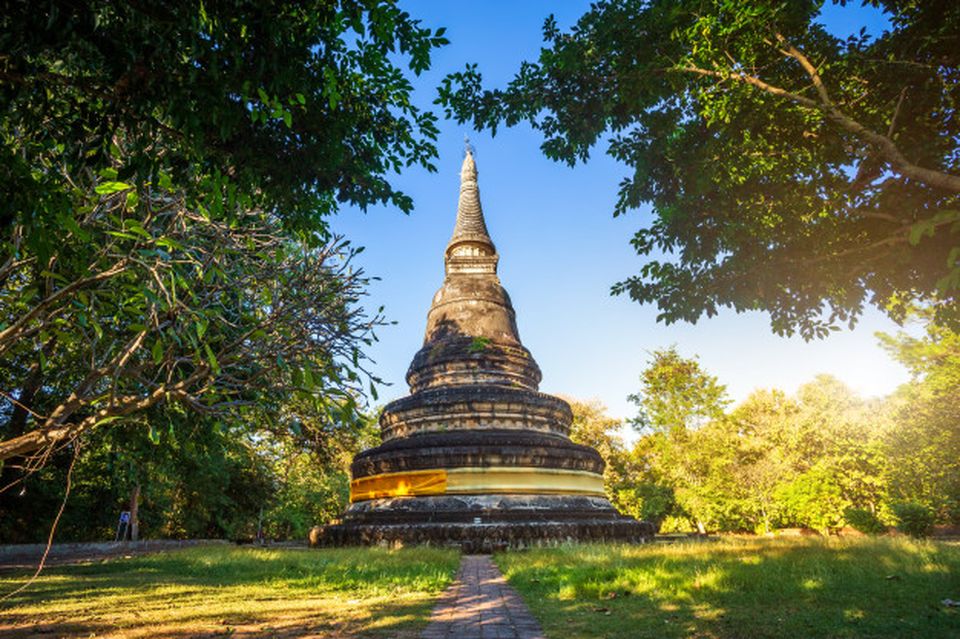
<point x="468" y="172"/>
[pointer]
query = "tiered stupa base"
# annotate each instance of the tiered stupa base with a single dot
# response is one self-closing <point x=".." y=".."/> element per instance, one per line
<point x="496" y="461"/>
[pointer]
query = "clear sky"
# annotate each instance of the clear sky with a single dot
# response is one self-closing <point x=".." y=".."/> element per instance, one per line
<point x="561" y="249"/>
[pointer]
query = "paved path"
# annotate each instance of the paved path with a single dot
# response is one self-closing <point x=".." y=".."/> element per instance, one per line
<point x="480" y="605"/>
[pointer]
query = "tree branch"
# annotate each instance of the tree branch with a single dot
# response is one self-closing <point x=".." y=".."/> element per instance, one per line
<point x="14" y="330"/>
<point x="886" y="149"/>
<point x="50" y="435"/>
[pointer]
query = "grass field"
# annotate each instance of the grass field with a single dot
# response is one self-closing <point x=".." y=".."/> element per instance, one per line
<point x="734" y="588"/>
<point x="234" y="592"/>
<point x="743" y="588"/>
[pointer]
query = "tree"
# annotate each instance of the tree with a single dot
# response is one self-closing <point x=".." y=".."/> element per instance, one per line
<point x="676" y="394"/>
<point x="164" y="176"/>
<point x="200" y="476"/>
<point x="682" y="407"/>
<point x="594" y="428"/>
<point x="630" y="481"/>
<point x="788" y="170"/>
<point x="763" y="420"/>
<point x="774" y="460"/>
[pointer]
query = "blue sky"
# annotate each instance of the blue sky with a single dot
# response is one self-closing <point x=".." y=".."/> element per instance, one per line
<point x="561" y="249"/>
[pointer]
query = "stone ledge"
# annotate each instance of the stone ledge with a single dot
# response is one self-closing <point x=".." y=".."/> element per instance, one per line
<point x="479" y="447"/>
<point x="473" y="538"/>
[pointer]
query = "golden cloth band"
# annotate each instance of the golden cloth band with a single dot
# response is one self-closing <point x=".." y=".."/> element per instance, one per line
<point x="477" y="481"/>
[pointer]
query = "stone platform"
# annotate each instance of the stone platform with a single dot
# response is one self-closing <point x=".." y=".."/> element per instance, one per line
<point x="484" y="538"/>
<point x="482" y="523"/>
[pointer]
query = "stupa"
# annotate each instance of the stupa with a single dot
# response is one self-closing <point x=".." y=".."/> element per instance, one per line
<point x="475" y="456"/>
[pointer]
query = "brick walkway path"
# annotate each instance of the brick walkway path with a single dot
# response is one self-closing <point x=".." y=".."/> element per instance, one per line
<point x="480" y="605"/>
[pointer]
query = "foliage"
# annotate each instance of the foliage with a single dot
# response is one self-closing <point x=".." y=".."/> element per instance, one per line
<point x="645" y="500"/>
<point x="814" y="499"/>
<point x="677" y="400"/>
<point x="174" y="306"/>
<point x="772" y="461"/>
<point x="288" y="107"/>
<point x="913" y="519"/>
<point x="676" y="394"/>
<point x="788" y="170"/>
<point x="222" y="590"/>
<point x="221" y="478"/>
<point x="864" y="521"/>
<point x="738" y="587"/>
<point x="313" y="482"/>
<point x="167" y="278"/>
<point x="628" y="482"/>
<point x="925" y="448"/>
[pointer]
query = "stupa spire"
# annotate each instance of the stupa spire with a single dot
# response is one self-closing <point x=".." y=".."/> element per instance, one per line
<point x="470" y="227"/>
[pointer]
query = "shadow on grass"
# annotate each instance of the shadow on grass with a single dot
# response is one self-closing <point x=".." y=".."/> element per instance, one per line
<point x="742" y="588"/>
<point x="235" y="592"/>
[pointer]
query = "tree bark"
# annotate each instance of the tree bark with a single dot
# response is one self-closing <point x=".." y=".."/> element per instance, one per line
<point x="135" y="513"/>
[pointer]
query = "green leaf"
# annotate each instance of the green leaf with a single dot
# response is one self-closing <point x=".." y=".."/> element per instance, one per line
<point x="157" y="352"/>
<point x="106" y="188"/>
<point x="56" y="276"/>
<point x="212" y="359"/>
<point x="126" y="236"/>
<point x="308" y="378"/>
<point x="133" y="199"/>
<point x="71" y="225"/>
<point x="166" y="242"/>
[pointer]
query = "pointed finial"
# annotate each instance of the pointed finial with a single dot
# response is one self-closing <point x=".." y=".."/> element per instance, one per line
<point x="468" y="148"/>
<point x="468" y="170"/>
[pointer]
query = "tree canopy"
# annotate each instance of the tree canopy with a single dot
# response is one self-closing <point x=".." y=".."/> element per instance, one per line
<point x="289" y="107"/>
<point x="788" y="170"/>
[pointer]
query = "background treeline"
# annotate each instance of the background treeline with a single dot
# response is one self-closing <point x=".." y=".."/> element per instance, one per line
<point x="823" y="458"/>
<point x="194" y="478"/>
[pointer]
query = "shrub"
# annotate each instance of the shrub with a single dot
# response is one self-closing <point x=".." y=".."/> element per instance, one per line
<point x="864" y="520"/>
<point x="913" y="519"/>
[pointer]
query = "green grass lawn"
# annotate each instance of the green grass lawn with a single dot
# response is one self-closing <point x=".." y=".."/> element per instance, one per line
<point x="234" y="592"/>
<point x="743" y="588"/>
